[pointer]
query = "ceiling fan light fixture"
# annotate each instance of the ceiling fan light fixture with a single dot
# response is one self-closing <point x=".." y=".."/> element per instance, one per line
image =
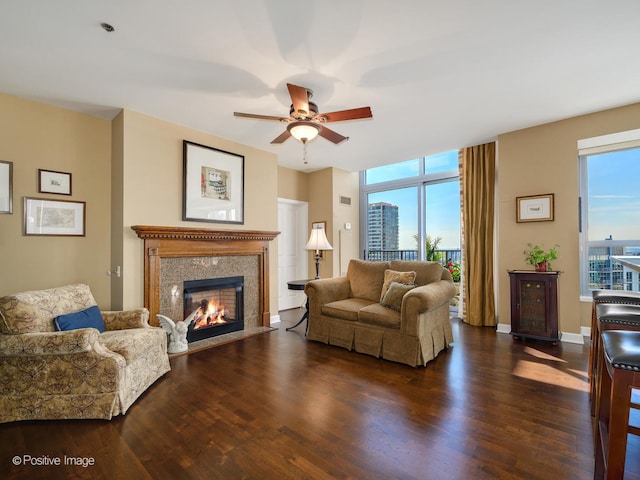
<point x="304" y="131"/>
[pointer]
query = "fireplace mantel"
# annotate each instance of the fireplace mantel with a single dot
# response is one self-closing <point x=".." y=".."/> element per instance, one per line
<point x="165" y="242"/>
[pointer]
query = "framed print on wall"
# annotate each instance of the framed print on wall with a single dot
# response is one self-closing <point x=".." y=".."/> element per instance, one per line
<point x="322" y="225"/>
<point x="54" y="217"/>
<point x="50" y="181"/>
<point x="6" y="187"/>
<point x="213" y="185"/>
<point x="534" y="208"/>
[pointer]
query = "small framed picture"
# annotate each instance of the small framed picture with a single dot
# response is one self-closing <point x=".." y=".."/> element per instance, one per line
<point x="54" y="182"/>
<point x="534" y="208"/>
<point x="322" y="225"/>
<point x="6" y="187"/>
<point x="54" y="217"/>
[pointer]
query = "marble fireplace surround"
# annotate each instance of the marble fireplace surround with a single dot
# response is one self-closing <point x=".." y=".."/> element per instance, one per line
<point x="205" y="252"/>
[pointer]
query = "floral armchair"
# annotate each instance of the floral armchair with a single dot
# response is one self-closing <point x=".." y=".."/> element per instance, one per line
<point x="77" y="373"/>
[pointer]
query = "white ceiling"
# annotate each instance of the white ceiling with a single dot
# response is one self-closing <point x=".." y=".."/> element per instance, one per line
<point x="438" y="75"/>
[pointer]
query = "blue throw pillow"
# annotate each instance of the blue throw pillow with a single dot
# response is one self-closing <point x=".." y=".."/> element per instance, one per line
<point x="89" y="318"/>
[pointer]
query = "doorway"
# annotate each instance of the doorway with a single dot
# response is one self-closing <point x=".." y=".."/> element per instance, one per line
<point x="293" y="259"/>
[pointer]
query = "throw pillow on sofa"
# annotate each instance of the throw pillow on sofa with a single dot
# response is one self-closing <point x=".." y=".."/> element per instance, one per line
<point x="408" y="278"/>
<point x="393" y="297"/>
<point x="88" y="318"/>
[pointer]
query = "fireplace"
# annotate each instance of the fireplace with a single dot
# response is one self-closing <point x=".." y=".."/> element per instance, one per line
<point x="173" y="255"/>
<point x="213" y="306"/>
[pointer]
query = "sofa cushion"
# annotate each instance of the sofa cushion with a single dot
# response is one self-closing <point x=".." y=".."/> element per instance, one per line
<point x="408" y="278"/>
<point x="426" y="272"/>
<point x="34" y="311"/>
<point x="376" y="314"/>
<point x="345" y="309"/>
<point x="87" y="318"/>
<point x="365" y="278"/>
<point x="393" y="298"/>
<point x="133" y="342"/>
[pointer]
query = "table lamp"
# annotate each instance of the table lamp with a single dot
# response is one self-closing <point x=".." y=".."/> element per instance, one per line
<point x="318" y="242"/>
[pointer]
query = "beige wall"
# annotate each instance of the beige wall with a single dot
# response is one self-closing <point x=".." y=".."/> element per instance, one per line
<point x="346" y="241"/>
<point x="325" y="188"/>
<point x="152" y="192"/>
<point x="321" y="210"/>
<point x="128" y="171"/>
<point x="117" y="209"/>
<point x="539" y="160"/>
<point x="293" y="184"/>
<point x="322" y="190"/>
<point x="33" y="136"/>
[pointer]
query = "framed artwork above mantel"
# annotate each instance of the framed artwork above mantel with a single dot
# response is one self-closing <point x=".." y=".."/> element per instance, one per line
<point x="213" y="185"/>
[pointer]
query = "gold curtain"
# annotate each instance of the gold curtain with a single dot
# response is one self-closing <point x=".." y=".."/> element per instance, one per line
<point x="477" y="182"/>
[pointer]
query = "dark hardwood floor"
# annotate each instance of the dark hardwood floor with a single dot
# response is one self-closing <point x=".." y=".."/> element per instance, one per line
<point x="276" y="406"/>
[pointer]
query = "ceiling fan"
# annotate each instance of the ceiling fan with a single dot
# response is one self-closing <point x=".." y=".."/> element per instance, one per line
<point x="304" y="122"/>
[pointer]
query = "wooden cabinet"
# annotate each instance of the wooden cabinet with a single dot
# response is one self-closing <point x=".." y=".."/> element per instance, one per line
<point x="534" y="305"/>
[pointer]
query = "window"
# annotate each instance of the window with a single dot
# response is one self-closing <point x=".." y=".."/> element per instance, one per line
<point x="610" y="213"/>
<point x="392" y="224"/>
<point x="396" y="171"/>
<point x="410" y="205"/>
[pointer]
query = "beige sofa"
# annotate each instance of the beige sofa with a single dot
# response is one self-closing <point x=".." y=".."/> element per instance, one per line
<point x="82" y="373"/>
<point x="361" y="312"/>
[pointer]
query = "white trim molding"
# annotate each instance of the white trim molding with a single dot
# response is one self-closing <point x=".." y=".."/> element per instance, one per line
<point x="566" y="337"/>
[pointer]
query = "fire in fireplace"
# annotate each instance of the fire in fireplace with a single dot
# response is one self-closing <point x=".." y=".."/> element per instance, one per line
<point x="213" y="307"/>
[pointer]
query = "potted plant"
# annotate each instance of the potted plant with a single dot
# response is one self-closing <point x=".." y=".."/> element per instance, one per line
<point x="540" y="258"/>
<point x="454" y="270"/>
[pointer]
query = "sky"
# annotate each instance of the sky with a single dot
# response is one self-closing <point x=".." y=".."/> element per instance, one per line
<point x="443" y="200"/>
<point x="614" y="196"/>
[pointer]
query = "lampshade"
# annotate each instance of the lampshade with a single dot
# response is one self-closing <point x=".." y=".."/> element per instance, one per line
<point x="304" y="131"/>
<point x="318" y="240"/>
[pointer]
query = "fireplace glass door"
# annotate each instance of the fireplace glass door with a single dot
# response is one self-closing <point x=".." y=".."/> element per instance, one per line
<point x="213" y="307"/>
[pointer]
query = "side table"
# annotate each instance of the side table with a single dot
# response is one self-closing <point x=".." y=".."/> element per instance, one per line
<point x="299" y="285"/>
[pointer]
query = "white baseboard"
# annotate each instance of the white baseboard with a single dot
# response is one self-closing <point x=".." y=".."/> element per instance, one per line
<point x="585" y="331"/>
<point x="274" y="321"/>
<point x="572" y="338"/>
<point x="564" y="336"/>
<point x="504" y="328"/>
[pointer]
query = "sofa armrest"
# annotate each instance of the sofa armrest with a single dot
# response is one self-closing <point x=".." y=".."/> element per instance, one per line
<point x="51" y="343"/>
<point x="124" y="320"/>
<point x="424" y="299"/>
<point x="325" y="290"/>
<point x="39" y="366"/>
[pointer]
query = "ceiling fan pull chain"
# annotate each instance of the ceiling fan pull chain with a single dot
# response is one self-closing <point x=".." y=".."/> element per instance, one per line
<point x="304" y="153"/>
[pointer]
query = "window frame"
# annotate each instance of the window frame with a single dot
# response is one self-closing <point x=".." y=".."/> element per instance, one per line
<point x="419" y="181"/>
<point x="588" y="147"/>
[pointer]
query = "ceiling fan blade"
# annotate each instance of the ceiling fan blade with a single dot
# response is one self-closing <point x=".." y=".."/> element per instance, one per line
<point x="260" y="117"/>
<point x="332" y="136"/>
<point x="284" y="136"/>
<point x="299" y="98"/>
<point x="353" y="114"/>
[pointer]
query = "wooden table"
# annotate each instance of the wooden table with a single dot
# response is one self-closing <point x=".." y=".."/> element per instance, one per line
<point x="299" y="285"/>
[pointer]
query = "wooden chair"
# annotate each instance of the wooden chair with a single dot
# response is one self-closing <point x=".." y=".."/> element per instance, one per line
<point x="611" y="315"/>
<point x="619" y="363"/>
<point x="620" y="297"/>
